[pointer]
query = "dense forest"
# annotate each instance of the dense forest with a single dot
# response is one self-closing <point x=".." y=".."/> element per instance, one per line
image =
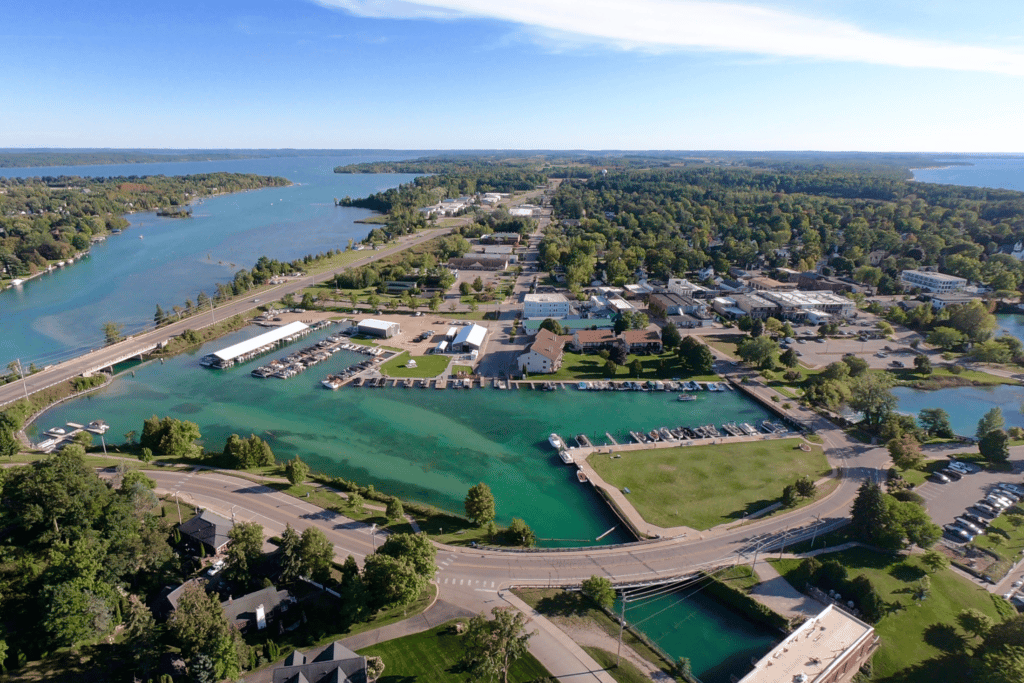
<point x="46" y="219"/>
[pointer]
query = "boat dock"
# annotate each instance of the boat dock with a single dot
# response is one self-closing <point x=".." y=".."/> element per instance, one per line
<point x="620" y="385"/>
<point x="300" y="361"/>
<point x="691" y="434"/>
<point x="257" y="346"/>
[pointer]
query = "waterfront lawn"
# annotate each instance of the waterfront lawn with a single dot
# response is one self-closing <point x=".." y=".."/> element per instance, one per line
<point x="941" y="377"/>
<point x="436" y="655"/>
<point x="725" y="342"/>
<point x="426" y="366"/>
<point x="456" y="369"/>
<point x="580" y="366"/>
<point x="704" y="486"/>
<point x="919" y="642"/>
<point x="623" y="672"/>
<point x="573" y="609"/>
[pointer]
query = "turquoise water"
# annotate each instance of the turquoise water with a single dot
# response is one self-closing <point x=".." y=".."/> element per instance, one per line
<point x="718" y="641"/>
<point x="56" y="316"/>
<point x="1000" y="172"/>
<point x="420" y="444"/>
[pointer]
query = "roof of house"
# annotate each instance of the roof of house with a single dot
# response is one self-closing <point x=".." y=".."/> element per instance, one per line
<point x="334" y="664"/>
<point x="548" y="344"/>
<point x="641" y="337"/>
<point x="243" y="609"/>
<point x="594" y="336"/>
<point x="208" y="528"/>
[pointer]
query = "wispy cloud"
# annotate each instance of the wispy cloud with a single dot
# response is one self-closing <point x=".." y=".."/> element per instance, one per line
<point x="665" y="25"/>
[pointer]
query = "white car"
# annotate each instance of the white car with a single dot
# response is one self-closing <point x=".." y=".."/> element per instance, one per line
<point x="216" y="567"/>
<point x="1018" y="583"/>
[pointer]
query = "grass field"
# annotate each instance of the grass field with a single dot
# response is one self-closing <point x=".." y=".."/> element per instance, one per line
<point x="704" y="486"/>
<point x="625" y="672"/>
<point x="578" y="366"/>
<point x="426" y="366"/>
<point x="435" y="655"/>
<point x="725" y="342"/>
<point x="920" y="643"/>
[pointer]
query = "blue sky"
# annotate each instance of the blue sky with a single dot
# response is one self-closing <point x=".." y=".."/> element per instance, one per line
<point x="912" y="75"/>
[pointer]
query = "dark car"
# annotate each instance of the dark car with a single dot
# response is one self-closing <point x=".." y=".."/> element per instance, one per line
<point x="958" y="533"/>
<point x="986" y="510"/>
<point x="952" y="474"/>
<point x="939" y="478"/>
<point x="976" y="519"/>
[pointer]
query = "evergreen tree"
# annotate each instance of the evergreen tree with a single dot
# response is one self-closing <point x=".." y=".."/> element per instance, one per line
<point x="991" y="420"/>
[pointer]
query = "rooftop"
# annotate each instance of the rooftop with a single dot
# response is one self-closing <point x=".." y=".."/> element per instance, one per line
<point x="208" y="528"/>
<point x="548" y="344"/>
<point x="249" y="345"/>
<point x="808" y="299"/>
<point x="545" y="298"/>
<point x="470" y="334"/>
<point x="811" y="649"/>
<point x="373" y="324"/>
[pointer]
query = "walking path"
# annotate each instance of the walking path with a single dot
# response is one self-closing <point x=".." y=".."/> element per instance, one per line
<point x="775" y="593"/>
<point x="563" y="658"/>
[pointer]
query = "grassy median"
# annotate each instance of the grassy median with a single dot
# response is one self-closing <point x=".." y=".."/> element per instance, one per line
<point x="704" y="486"/>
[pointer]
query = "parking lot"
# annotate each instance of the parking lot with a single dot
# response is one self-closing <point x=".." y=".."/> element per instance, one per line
<point x="879" y="353"/>
<point x="946" y="502"/>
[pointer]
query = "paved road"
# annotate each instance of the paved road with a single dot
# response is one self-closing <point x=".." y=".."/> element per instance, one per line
<point x="130" y="347"/>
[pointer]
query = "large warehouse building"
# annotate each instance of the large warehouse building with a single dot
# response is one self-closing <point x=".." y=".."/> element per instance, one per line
<point x="378" y="328"/>
<point x="469" y="338"/>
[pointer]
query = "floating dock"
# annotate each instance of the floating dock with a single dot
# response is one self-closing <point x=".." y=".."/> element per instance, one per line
<point x="257" y="346"/>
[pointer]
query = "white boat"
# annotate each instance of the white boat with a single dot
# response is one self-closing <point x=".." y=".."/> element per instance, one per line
<point x="566" y="457"/>
<point x="687" y="397"/>
<point x="556" y="442"/>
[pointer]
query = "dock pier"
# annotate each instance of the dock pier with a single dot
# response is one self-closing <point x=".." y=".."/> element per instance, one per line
<point x="611" y="439"/>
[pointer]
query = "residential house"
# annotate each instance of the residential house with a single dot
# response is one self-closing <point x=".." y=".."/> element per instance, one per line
<point x="334" y="664"/>
<point x="544" y="354"/>
<point x="255" y="610"/>
<point x="209" y="529"/>
<point x="593" y="340"/>
<point x="642" y="341"/>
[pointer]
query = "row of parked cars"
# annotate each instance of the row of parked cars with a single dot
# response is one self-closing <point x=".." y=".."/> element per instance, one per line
<point x="977" y="518"/>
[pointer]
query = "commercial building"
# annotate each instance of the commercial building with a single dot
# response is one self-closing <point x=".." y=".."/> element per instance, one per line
<point x="378" y="328"/>
<point x="670" y="304"/>
<point x="546" y="306"/>
<point x="544" y="355"/>
<point x="797" y="305"/>
<point x="250" y="348"/>
<point x="932" y="281"/>
<point x="756" y="306"/>
<point x="469" y="338"/>
<point x="767" y="284"/>
<point x="830" y="648"/>
<point x="479" y="262"/>
<point x="940" y="301"/>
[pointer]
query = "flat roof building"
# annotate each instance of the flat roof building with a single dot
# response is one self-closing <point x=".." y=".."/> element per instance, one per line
<point x="378" y="328"/>
<point x="796" y="305"/>
<point x="932" y="281"/>
<point x="546" y="306"/>
<point x="829" y="648"/>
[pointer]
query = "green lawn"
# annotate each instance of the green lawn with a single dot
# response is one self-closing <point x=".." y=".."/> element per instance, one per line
<point x="426" y="366"/>
<point x="941" y="377"/>
<point x="920" y="643"/>
<point x="435" y="655"/>
<point x="704" y="486"/>
<point x="579" y="366"/>
<point x="624" y="672"/>
<point x="725" y="342"/>
<point x="456" y="369"/>
<point x="1004" y="539"/>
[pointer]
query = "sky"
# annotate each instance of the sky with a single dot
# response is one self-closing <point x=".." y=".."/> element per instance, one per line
<point x="863" y="75"/>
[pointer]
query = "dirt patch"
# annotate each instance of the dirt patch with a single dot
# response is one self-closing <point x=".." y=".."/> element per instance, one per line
<point x="585" y="632"/>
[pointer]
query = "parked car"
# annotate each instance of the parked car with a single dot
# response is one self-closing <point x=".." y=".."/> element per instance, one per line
<point x="969" y="525"/>
<point x="1019" y="490"/>
<point x="976" y="519"/>
<point x="939" y="478"/>
<point x="986" y="510"/>
<point x="958" y="533"/>
<point x="965" y="467"/>
<point x="1003" y="493"/>
<point x="997" y="502"/>
<point x="952" y="474"/>
<point x="898" y="364"/>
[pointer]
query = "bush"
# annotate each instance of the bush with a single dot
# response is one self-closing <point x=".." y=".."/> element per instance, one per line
<point x="908" y="496"/>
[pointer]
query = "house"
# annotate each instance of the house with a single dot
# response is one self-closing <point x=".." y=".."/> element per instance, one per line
<point x="208" y="529"/>
<point x="334" y="664"/>
<point x="593" y="340"/>
<point x="544" y="355"/>
<point x="931" y="281"/>
<point x="255" y="610"/>
<point x="642" y="341"/>
<point x="550" y="305"/>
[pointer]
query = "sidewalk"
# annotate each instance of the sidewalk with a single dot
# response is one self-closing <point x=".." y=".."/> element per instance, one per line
<point x="555" y="650"/>
<point x="775" y="593"/>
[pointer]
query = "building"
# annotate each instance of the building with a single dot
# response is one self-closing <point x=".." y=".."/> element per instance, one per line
<point x="726" y="307"/>
<point x="527" y="210"/>
<point x="256" y="610"/>
<point x="378" y="328"/>
<point x="250" y="348"/>
<point x="208" y="529"/>
<point x="502" y="238"/>
<point x="797" y="305"/>
<point x="544" y="355"/>
<point x="767" y="284"/>
<point x="642" y="341"/>
<point x="756" y="306"/>
<point x="940" y="301"/>
<point x="546" y="306"/>
<point x="670" y="304"/>
<point x="479" y="262"/>
<point x="830" y="648"/>
<point x="469" y="338"/>
<point x="931" y="281"/>
<point x="450" y="334"/>
<point x="334" y="664"/>
<point x="593" y="340"/>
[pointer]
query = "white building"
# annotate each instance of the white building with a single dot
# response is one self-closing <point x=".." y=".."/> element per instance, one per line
<point x="683" y="287"/>
<point x="469" y="338"/>
<point x="546" y="306"/>
<point x="932" y="281"/>
<point x="544" y="355"/>
<point x="830" y="648"/>
<point x="797" y="305"/>
<point x="378" y="328"/>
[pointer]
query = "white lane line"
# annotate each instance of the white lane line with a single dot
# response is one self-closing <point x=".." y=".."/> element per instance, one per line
<point x="484" y="590"/>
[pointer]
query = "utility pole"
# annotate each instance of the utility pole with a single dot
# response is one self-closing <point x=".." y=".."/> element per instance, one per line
<point x="817" y="522"/>
<point x="178" y="503"/>
<point x="622" y="623"/>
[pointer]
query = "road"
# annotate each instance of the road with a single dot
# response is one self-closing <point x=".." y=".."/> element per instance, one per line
<point x="104" y="357"/>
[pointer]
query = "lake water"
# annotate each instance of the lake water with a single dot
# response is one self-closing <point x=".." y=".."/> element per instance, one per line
<point x="686" y="623"/>
<point x="57" y="316"/>
<point x="420" y="444"/>
<point x="999" y="172"/>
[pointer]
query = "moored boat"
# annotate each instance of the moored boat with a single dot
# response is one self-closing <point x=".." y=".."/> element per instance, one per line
<point x="581" y="476"/>
<point x="556" y="441"/>
<point x="687" y="397"/>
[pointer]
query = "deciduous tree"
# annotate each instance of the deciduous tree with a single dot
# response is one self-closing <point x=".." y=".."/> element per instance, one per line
<point x="493" y="646"/>
<point x="991" y="420"/>
<point x="296" y="471"/>
<point x="479" y="504"/>
<point x="599" y="589"/>
<point x="245" y="549"/>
